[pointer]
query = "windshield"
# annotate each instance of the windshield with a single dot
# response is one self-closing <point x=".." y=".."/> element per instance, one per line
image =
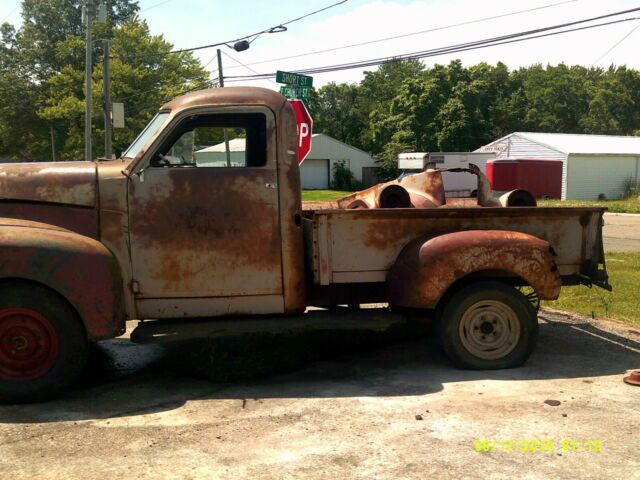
<point x="149" y="131"/>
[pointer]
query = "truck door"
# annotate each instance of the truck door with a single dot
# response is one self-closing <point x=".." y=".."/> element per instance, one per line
<point x="203" y="218"/>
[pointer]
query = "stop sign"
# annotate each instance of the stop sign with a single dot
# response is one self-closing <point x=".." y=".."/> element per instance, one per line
<point x="304" y="124"/>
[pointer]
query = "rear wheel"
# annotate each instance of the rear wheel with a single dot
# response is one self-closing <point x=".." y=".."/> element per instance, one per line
<point x="487" y="325"/>
<point x="43" y="345"/>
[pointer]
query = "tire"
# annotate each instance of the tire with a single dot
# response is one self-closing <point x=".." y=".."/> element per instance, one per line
<point x="43" y="343"/>
<point x="487" y="325"/>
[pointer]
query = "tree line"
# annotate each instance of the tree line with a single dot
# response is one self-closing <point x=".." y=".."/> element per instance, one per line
<point x="401" y="106"/>
<point x="404" y="106"/>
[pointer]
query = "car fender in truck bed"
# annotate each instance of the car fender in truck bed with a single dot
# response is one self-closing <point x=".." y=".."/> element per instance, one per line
<point x="79" y="268"/>
<point x="426" y="268"/>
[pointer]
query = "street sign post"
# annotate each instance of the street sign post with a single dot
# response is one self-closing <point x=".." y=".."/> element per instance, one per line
<point x="304" y="124"/>
<point x="294" y="79"/>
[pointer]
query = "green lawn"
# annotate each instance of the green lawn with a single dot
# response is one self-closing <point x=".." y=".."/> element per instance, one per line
<point x="322" y="195"/>
<point x="621" y="304"/>
<point x="629" y="205"/>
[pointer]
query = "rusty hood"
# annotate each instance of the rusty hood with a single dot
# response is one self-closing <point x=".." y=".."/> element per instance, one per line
<point x="69" y="183"/>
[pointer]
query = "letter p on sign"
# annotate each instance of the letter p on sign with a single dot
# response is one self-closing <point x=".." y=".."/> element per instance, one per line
<point x="304" y="128"/>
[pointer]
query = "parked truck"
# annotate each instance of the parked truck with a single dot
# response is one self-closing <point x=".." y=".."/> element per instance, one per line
<point x="158" y="237"/>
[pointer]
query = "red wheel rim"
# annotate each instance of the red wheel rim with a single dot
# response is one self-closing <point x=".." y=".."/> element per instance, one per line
<point x="28" y="344"/>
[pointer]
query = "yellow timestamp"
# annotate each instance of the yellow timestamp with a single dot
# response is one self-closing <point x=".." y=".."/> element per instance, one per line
<point x="536" y="445"/>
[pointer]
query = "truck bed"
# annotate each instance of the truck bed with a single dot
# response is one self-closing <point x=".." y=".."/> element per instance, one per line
<point x="360" y="246"/>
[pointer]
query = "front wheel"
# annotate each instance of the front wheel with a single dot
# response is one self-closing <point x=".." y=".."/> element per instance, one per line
<point x="487" y="325"/>
<point x="43" y="345"/>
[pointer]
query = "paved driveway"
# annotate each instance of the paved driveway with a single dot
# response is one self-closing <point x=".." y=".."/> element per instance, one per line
<point x="396" y="412"/>
<point x="621" y="232"/>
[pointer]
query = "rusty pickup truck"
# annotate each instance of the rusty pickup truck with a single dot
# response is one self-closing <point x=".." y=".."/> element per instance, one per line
<point x="202" y="218"/>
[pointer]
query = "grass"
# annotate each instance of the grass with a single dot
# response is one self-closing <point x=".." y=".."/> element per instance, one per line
<point x="628" y="205"/>
<point x="322" y="195"/>
<point x="621" y="304"/>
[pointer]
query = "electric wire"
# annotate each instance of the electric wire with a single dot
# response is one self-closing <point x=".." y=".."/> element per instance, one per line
<point x="484" y="43"/>
<point x="616" y="44"/>
<point x="404" y="35"/>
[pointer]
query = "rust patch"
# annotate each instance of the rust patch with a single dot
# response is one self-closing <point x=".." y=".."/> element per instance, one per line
<point x="205" y="232"/>
<point x="426" y="268"/>
<point x="71" y="183"/>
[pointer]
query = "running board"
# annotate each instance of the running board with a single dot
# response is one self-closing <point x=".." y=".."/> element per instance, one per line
<point x="177" y="330"/>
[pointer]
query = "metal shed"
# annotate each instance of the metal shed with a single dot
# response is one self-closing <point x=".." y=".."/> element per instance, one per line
<point x="592" y="165"/>
<point x="316" y="172"/>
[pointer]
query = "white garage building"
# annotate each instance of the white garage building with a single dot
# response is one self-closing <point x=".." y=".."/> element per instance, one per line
<point x="591" y="164"/>
<point x="316" y="171"/>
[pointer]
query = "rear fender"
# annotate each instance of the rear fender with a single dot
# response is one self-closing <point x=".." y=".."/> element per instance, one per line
<point x="79" y="268"/>
<point x="427" y="268"/>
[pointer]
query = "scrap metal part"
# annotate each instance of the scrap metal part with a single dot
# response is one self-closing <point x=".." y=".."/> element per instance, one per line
<point x="426" y="190"/>
<point x="633" y="378"/>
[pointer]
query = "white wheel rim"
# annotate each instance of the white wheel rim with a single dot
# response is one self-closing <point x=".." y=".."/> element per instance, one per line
<point x="489" y="329"/>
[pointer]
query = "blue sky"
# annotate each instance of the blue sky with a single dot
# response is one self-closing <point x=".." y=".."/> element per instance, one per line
<point x="187" y="23"/>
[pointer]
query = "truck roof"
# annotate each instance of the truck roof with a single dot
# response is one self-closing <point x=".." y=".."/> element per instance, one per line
<point x="227" y="96"/>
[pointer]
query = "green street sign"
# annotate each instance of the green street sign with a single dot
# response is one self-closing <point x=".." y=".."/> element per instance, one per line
<point x="291" y="92"/>
<point x="294" y="79"/>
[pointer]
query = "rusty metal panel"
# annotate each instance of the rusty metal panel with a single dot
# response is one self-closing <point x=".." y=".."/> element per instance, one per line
<point x="293" y="267"/>
<point x="77" y="219"/>
<point x="427" y="267"/>
<point x="80" y="268"/>
<point x="114" y="223"/>
<point x="70" y="183"/>
<point x="206" y="232"/>
<point x="210" y="307"/>
<point x="324" y="260"/>
<point x="370" y="240"/>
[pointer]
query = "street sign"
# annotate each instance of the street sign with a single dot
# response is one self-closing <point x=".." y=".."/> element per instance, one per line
<point x="117" y="114"/>
<point x="294" y="79"/>
<point x="304" y="125"/>
<point x="291" y="92"/>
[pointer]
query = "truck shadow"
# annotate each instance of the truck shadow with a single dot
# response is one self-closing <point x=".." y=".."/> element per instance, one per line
<point x="125" y="379"/>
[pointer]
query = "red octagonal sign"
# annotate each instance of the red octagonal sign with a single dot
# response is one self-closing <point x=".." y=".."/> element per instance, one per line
<point x="304" y="125"/>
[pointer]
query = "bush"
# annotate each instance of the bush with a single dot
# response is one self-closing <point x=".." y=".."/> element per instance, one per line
<point x="630" y="188"/>
<point x="343" y="177"/>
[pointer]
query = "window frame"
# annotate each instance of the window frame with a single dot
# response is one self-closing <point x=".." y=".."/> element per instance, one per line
<point x="176" y="117"/>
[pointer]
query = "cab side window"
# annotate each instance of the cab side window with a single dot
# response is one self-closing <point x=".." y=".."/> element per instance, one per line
<point x="216" y="141"/>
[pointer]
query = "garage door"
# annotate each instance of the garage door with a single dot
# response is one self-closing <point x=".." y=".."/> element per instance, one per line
<point x="314" y="174"/>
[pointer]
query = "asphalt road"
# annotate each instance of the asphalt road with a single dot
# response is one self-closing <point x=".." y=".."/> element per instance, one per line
<point x="621" y="232"/>
<point x="397" y="412"/>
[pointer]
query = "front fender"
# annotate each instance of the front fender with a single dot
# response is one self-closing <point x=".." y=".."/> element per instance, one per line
<point x="79" y="268"/>
<point x="426" y="268"/>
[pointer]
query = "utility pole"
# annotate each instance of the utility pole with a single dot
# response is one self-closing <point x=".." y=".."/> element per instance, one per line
<point x="106" y="83"/>
<point x="88" y="18"/>
<point x="224" y="130"/>
<point x="53" y="143"/>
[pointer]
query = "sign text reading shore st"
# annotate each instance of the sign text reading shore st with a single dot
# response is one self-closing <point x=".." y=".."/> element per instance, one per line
<point x="294" y="79"/>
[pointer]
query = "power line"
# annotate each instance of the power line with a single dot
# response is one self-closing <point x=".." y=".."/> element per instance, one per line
<point x="616" y="44"/>
<point x="10" y="13"/>
<point x="404" y="35"/>
<point x="275" y="29"/>
<point x="247" y="67"/>
<point x="511" y="38"/>
<point x="155" y="5"/>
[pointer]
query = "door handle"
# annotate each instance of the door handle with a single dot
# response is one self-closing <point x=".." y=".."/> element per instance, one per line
<point x="271" y="185"/>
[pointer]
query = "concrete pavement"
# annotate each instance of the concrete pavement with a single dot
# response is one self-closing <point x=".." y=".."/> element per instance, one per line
<point x="621" y="232"/>
<point x="397" y="412"/>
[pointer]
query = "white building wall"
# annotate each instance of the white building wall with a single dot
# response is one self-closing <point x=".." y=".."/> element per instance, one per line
<point x="515" y="146"/>
<point x="325" y="147"/>
<point x="591" y="175"/>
